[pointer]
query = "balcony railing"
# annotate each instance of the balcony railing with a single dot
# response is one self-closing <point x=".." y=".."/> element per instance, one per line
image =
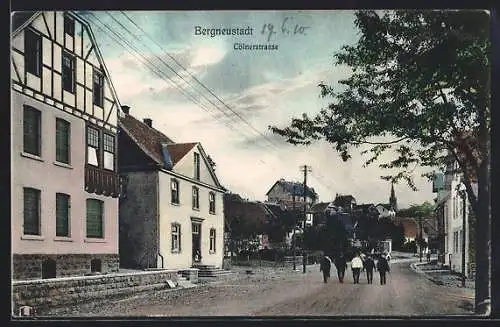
<point x="101" y="182"/>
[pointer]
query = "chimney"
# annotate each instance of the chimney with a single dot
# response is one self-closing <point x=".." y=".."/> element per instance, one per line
<point x="148" y="121"/>
<point x="125" y="109"/>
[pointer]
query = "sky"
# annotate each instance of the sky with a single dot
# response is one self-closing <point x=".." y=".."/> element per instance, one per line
<point x="199" y="88"/>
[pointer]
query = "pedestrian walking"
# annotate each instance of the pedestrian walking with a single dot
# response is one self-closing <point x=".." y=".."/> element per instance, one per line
<point x="363" y="258"/>
<point x="341" y="266"/>
<point x="369" y="264"/>
<point x="325" y="266"/>
<point x="383" y="268"/>
<point x="356" y="265"/>
<point x="428" y="256"/>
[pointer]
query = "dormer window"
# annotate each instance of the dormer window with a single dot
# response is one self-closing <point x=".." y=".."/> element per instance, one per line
<point x="197" y="166"/>
<point x="69" y="25"/>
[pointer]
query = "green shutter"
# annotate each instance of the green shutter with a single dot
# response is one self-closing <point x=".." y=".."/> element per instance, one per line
<point x="62" y="214"/>
<point x="94" y="218"/>
<point x="31" y="130"/>
<point x="62" y="141"/>
<point x="31" y="211"/>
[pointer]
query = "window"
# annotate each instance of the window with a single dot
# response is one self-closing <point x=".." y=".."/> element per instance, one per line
<point x="109" y="151"/>
<point x="32" y="131"/>
<point x="68" y="72"/>
<point x="49" y="268"/>
<point x="196" y="198"/>
<point x="95" y="265"/>
<point x="69" y="25"/>
<point x="33" y="52"/>
<point x="98" y="90"/>
<point x="62" y="141"/>
<point x="212" y="240"/>
<point x="31" y="211"/>
<point x="211" y="200"/>
<point x="174" y="185"/>
<point x="94" y="218"/>
<point x="62" y="214"/>
<point x="93" y="146"/>
<point x="197" y="166"/>
<point x="176" y="238"/>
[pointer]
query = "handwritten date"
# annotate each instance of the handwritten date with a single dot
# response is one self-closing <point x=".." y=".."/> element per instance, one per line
<point x="287" y="28"/>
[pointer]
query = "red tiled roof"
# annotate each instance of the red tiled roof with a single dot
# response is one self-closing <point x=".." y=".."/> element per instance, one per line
<point x="147" y="138"/>
<point x="253" y="214"/>
<point x="177" y="151"/>
<point x="410" y="227"/>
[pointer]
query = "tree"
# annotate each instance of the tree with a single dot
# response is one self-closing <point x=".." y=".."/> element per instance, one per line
<point x="420" y="85"/>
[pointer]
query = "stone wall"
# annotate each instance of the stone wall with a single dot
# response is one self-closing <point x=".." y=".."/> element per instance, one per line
<point x="139" y="221"/>
<point x="29" y="266"/>
<point x="44" y="294"/>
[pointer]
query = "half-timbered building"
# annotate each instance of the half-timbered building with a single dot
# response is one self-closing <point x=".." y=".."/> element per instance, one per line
<point x="64" y="184"/>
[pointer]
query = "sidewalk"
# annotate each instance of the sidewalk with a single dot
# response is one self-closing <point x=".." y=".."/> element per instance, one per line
<point x="444" y="277"/>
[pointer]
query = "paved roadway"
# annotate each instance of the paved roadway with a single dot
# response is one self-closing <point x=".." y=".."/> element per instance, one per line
<point x="294" y="293"/>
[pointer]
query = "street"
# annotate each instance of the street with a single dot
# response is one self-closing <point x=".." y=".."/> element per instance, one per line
<point x="294" y="293"/>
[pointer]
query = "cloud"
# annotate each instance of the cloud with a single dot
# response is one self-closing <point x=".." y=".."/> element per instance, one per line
<point x="207" y="55"/>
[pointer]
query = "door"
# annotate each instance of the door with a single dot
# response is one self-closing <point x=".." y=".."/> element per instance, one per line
<point x="196" y="231"/>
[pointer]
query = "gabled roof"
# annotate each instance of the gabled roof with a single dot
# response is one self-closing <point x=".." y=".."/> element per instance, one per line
<point x="289" y="188"/>
<point x="159" y="147"/>
<point x="177" y="151"/>
<point x="21" y="17"/>
<point x="253" y="214"/>
<point x="147" y="138"/>
<point x="232" y="197"/>
<point x="25" y="18"/>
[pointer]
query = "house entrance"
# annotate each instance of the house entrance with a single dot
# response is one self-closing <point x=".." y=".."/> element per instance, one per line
<point x="196" y="231"/>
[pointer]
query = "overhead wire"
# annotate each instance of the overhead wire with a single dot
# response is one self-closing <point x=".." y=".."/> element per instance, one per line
<point x="162" y="75"/>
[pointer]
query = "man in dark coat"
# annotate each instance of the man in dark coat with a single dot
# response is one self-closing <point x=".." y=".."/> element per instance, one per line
<point x="341" y="265"/>
<point x="383" y="268"/>
<point x="369" y="264"/>
<point x="325" y="266"/>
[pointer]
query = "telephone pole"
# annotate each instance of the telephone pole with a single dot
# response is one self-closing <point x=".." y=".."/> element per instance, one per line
<point x="305" y="169"/>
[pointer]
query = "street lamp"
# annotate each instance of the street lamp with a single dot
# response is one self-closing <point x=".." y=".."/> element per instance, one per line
<point x="463" y="195"/>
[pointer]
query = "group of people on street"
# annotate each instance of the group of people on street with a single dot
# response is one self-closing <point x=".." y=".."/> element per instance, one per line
<point x="359" y="262"/>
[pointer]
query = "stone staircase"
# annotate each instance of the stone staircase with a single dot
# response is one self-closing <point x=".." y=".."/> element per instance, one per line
<point x="212" y="272"/>
<point x="183" y="282"/>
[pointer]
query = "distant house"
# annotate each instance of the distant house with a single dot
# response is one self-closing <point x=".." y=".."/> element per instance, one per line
<point x="450" y="205"/>
<point x="346" y="202"/>
<point x="172" y="213"/>
<point x="367" y="210"/>
<point x="291" y="194"/>
<point x="318" y="214"/>
<point x="385" y="211"/>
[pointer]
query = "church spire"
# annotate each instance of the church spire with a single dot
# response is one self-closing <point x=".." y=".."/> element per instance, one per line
<point x="393" y="201"/>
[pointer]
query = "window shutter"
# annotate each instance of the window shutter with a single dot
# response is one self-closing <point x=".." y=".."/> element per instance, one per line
<point x="62" y="214"/>
<point x="31" y="211"/>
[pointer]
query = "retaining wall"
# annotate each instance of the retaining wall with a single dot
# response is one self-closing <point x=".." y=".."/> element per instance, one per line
<point x="43" y="294"/>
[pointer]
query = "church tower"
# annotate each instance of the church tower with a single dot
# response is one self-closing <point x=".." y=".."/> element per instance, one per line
<point x="393" y="201"/>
